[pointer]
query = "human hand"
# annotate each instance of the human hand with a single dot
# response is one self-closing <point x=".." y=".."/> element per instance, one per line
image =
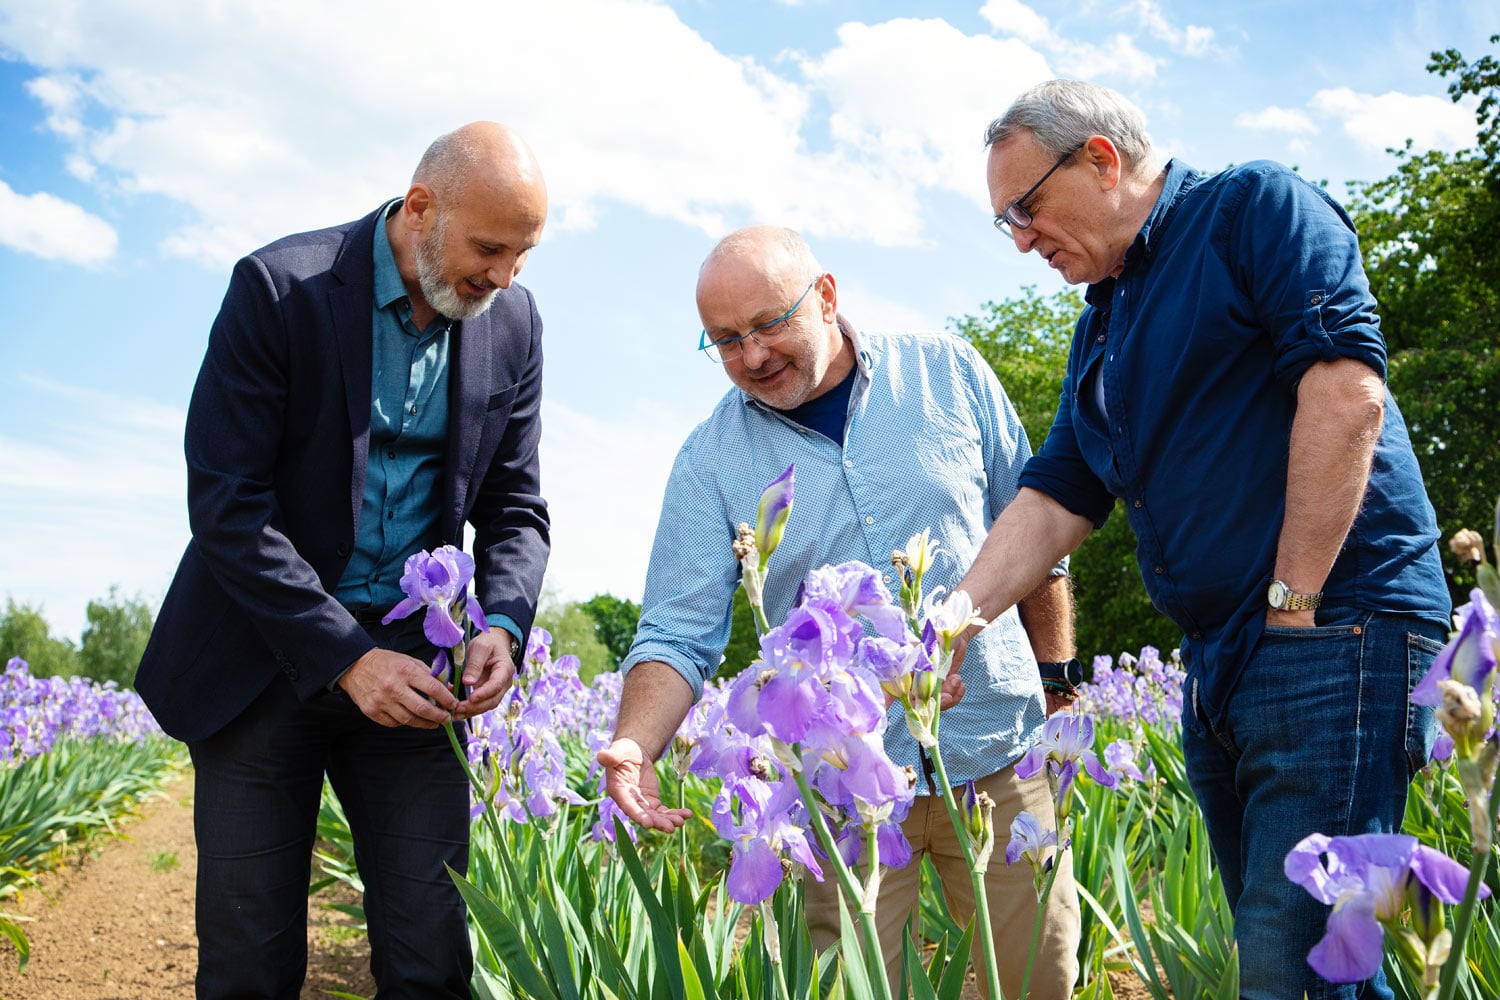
<point x="952" y="691"/>
<point x="394" y="689"/>
<point x="488" y="672"/>
<point x="630" y="780"/>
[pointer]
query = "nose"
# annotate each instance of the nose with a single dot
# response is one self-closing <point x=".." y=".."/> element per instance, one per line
<point x="1024" y="238"/>
<point x="502" y="273"/>
<point x="752" y="353"/>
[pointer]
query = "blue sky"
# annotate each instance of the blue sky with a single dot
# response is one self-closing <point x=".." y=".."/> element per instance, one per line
<point x="144" y="146"/>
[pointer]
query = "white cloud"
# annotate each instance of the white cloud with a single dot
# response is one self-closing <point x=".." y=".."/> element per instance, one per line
<point x="1015" y="18"/>
<point x="1378" y="122"/>
<point x="287" y="116"/>
<point x="1276" y="119"/>
<point x="97" y="502"/>
<point x="1192" y="40"/>
<point x="1119" y="56"/>
<point x="46" y="226"/>
<point x="923" y="127"/>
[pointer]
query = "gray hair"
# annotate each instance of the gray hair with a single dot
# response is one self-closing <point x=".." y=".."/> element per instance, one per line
<point x="1063" y="114"/>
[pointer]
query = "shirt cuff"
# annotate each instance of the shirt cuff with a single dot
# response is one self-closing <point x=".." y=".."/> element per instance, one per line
<point x="509" y="624"/>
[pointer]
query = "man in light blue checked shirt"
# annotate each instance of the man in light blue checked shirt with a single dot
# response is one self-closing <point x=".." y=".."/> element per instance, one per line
<point x="890" y="434"/>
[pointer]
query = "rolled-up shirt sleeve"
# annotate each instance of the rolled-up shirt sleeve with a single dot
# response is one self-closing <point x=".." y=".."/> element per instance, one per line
<point x="1304" y="274"/>
<point x="688" y="604"/>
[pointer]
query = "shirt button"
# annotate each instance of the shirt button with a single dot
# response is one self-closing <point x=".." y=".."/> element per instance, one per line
<point x="1100" y="338"/>
<point x="869" y="518"/>
<point x="391" y="453"/>
<point x="1139" y="503"/>
<point x="1160" y="569"/>
<point x="390" y="515"/>
<point x="886" y="578"/>
<point x="848" y="463"/>
<point x="1316" y="300"/>
<point x="1197" y="635"/>
<point x="413" y="411"/>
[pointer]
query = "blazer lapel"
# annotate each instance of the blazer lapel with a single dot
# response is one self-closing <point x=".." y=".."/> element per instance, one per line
<point x="468" y="399"/>
<point x="351" y="305"/>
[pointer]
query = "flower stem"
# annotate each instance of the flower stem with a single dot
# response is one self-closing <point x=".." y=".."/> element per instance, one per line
<point x="1463" y="920"/>
<point x="1041" y="911"/>
<point x="850" y="887"/>
<point x="976" y="876"/>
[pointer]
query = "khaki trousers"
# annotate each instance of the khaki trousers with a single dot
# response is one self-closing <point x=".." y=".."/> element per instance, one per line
<point x="1009" y="890"/>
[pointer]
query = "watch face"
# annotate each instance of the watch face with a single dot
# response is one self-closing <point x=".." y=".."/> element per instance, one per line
<point x="1073" y="672"/>
<point x="1276" y="596"/>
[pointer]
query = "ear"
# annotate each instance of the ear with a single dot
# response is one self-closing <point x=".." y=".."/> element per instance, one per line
<point x="828" y="298"/>
<point x="417" y="211"/>
<point x="1104" y="157"/>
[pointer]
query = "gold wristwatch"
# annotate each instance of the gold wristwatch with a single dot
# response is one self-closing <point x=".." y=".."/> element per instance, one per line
<point x="1284" y="598"/>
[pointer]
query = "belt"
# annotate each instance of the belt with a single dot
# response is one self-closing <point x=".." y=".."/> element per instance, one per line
<point x="368" y="616"/>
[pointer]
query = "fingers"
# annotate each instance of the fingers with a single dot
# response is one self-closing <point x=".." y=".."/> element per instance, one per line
<point x="394" y="689"/>
<point x="952" y="692"/>
<point x="631" y="782"/>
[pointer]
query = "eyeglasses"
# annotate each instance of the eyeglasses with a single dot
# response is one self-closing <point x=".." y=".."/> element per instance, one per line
<point x="728" y="349"/>
<point x="1015" y="215"/>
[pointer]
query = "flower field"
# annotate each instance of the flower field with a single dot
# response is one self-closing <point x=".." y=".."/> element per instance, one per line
<point x="73" y="755"/>
<point x="563" y="908"/>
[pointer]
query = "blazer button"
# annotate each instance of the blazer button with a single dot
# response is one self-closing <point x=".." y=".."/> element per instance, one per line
<point x="292" y="673"/>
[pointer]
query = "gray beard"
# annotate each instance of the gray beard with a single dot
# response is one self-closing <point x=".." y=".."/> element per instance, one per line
<point x="444" y="298"/>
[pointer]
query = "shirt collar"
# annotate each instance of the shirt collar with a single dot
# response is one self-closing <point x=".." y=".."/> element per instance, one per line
<point x="389" y="287"/>
<point x="1179" y="179"/>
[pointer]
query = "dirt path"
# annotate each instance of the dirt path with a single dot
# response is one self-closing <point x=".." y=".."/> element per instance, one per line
<point x="119" y="926"/>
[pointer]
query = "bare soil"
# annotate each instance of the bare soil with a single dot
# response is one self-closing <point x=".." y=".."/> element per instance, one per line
<point x="117" y="923"/>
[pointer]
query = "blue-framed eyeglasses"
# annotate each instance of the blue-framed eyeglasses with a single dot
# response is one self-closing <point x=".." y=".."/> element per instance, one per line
<point x="729" y="348"/>
<point x="1016" y="215"/>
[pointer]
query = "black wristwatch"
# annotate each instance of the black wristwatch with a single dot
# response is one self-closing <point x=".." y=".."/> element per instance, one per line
<point x="1061" y="677"/>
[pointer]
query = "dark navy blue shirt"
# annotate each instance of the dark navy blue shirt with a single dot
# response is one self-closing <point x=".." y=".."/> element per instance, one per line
<point x="827" y="414"/>
<point x="1179" y="397"/>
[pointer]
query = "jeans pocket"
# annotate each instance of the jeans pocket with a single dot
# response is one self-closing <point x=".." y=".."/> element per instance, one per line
<point x="1420" y="727"/>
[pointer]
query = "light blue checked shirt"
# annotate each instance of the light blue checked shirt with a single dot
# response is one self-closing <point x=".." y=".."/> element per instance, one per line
<point x="931" y="441"/>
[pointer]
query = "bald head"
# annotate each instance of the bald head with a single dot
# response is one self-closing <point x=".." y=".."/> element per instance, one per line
<point x="773" y="254"/>
<point x="482" y="159"/>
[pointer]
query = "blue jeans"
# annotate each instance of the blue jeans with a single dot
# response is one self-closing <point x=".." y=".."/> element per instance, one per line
<point x="1318" y="737"/>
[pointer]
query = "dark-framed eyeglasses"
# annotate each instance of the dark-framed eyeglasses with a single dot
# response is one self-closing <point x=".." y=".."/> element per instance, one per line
<point x="1016" y="215"/>
<point x="729" y="348"/>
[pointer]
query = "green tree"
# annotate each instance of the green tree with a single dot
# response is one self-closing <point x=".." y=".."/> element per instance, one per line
<point x="615" y="622"/>
<point x="744" y="644"/>
<point x="1428" y="235"/>
<point x="1026" y="340"/>
<point x="573" y="632"/>
<point x="114" y="638"/>
<point x="25" y="633"/>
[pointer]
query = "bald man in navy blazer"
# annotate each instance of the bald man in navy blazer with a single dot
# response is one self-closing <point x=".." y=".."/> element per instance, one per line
<point x="366" y="390"/>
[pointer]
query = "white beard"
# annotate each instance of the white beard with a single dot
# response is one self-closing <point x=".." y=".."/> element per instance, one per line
<point x="444" y="298"/>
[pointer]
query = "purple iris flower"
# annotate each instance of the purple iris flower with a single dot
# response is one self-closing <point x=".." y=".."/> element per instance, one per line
<point x="771" y="517"/>
<point x="766" y="827"/>
<point x="439" y="581"/>
<point x="1367" y="879"/>
<point x="1066" y="748"/>
<point x="1119" y="757"/>
<point x="1469" y="657"/>
<point x="1028" y="839"/>
<point x="856" y="588"/>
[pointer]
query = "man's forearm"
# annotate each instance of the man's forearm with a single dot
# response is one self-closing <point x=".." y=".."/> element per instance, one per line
<point x="1340" y="407"/>
<point x="1023" y="546"/>
<point x="1047" y="615"/>
<point x="653" y="703"/>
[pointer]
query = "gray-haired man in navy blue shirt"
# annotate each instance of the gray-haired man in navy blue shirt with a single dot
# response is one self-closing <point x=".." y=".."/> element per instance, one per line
<point x="1226" y="381"/>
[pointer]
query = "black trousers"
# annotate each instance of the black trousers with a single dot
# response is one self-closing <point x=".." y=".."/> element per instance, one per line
<point x="258" y="787"/>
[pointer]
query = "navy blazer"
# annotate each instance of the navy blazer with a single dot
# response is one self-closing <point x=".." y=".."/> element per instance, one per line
<point x="277" y="442"/>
